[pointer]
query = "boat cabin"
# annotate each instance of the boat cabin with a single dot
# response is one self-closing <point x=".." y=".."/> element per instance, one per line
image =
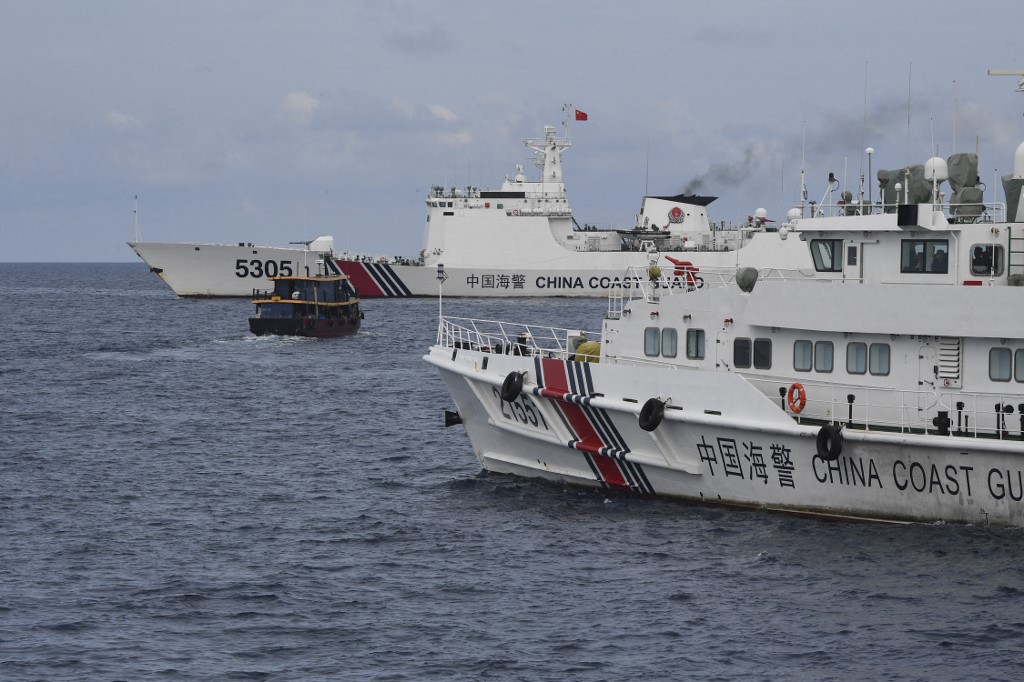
<point x="307" y="306"/>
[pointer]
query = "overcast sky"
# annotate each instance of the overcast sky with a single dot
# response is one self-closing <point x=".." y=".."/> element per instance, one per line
<point x="271" y="122"/>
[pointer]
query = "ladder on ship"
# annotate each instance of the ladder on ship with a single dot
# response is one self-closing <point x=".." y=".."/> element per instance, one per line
<point x="1015" y="255"/>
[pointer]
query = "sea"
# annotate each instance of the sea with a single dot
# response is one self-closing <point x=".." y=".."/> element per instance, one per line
<point x="181" y="500"/>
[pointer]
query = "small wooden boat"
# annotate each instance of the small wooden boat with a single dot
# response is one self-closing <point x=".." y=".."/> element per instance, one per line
<point x="320" y="306"/>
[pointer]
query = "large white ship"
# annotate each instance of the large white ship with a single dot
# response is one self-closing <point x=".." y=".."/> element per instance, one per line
<point x="885" y="383"/>
<point x="519" y="240"/>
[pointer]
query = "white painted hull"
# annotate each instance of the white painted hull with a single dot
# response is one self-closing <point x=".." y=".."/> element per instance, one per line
<point x="727" y="445"/>
<point x="571" y="274"/>
<point x="209" y="270"/>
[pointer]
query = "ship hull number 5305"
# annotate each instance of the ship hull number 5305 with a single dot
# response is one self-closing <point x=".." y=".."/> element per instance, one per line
<point x="263" y="268"/>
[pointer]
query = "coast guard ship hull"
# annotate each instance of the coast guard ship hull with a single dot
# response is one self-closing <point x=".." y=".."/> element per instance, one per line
<point x="229" y="270"/>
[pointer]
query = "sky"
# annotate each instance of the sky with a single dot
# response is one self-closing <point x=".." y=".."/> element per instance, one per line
<point x="272" y="122"/>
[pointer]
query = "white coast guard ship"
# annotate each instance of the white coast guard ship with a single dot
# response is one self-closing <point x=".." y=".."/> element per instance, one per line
<point x="213" y="270"/>
<point x="520" y="240"/>
<point x="886" y="383"/>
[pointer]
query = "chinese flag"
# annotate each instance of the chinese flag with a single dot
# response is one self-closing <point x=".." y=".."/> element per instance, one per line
<point x="581" y="116"/>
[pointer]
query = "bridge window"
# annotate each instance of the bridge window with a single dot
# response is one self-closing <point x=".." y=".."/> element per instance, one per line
<point x="856" y="358"/>
<point x="924" y="255"/>
<point x="827" y="255"/>
<point x="695" y="344"/>
<point x="878" y="359"/>
<point x="999" y="363"/>
<point x="987" y="259"/>
<point x="1018" y="366"/>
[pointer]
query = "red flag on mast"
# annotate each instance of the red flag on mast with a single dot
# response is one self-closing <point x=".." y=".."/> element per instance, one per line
<point x="581" y="116"/>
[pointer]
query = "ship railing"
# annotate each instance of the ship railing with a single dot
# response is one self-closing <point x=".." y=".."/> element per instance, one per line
<point x="493" y="336"/>
<point x="940" y="411"/>
<point x="955" y="212"/>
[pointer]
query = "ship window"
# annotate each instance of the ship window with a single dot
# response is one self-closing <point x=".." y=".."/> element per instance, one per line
<point x="878" y="359"/>
<point x="762" y="353"/>
<point x="924" y="255"/>
<point x="499" y="205"/>
<point x="827" y="254"/>
<point x="823" y="353"/>
<point x="1018" y="366"/>
<point x="652" y="341"/>
<point x="856" y="358"/>
<point x="803" y="352"/>
<point x="851" y="255"/>
<point x="987" y="259"/>
<point x="999" y="361"/>
<point x="695" y="344"/>
<point x="741" y="353"/>
<point x="668" y="342"/>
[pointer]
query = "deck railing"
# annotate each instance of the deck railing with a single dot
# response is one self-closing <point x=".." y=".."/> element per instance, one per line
<point x="967" y="212"/>
<point x="978" y="415"/>
<point x="511" y="338"/>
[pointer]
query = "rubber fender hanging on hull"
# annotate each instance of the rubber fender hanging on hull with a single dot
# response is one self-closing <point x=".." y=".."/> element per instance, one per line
<point x="512" y="386"/>
<point x="829" y="442"/>
<point x="651" y="414"/>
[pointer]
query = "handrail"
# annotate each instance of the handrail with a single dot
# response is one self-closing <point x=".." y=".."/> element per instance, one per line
<point x="892" y="409"/>
<point x="991" y="211"/>
<point x="513" y="338"/>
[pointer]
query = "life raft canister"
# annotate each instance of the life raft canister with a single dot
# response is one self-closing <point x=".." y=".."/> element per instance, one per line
<point x="829" y="443"/>
<point x="512" y="386"/>
<point x="651" y="414"/>
<point x="797" y="398"/>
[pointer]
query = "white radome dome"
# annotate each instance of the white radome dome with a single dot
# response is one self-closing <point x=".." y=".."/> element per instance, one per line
<point x="936" y="169"/>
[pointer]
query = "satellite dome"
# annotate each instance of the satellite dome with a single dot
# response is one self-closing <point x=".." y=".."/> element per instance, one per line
<point x="793" y="214"/>
<point x="760" y="213"/>
<point x="935" y="168"/>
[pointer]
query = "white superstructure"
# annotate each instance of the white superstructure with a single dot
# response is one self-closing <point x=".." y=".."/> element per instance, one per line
<point x="523" y="240"/>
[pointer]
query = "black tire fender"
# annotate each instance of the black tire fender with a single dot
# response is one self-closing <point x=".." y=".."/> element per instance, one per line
<point x="512" y="387"/>
<point x="829" y="443"/>
<point x="651" y="414"/>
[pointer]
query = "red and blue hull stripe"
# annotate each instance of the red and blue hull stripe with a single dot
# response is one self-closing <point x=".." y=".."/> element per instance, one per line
<point x="570" y="386"/>
<point x="374" y="280"/>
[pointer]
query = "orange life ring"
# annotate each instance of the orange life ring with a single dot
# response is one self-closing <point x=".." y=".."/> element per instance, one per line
<point x="797" y="398"/>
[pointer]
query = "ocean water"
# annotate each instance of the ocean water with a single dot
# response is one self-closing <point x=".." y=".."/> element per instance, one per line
<point x="182" y="500"/>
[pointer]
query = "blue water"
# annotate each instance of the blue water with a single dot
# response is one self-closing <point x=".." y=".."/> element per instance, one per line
<point x="182" y="500"/>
